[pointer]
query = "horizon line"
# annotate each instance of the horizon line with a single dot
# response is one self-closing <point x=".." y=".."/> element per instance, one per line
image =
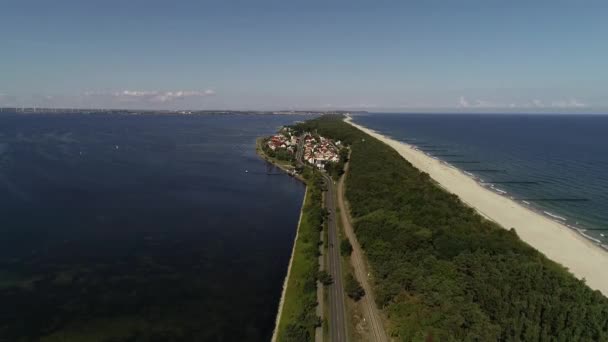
<point x="379" y="110"/>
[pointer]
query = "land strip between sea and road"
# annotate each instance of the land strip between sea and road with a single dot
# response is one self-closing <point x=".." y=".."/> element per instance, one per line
<point x="287" y="276"/>
<point x="300" y="265"/>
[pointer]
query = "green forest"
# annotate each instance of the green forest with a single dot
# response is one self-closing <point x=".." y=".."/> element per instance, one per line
<point x="441" y="272"/>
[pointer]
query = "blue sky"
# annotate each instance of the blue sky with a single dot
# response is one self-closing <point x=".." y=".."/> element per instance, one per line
<point x="375" y="55"/>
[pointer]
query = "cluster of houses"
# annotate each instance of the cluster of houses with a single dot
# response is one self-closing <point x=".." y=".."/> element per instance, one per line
<point x="316" y="150"/>
<point x="284" y="139"/>
<point x="319" y="151"/>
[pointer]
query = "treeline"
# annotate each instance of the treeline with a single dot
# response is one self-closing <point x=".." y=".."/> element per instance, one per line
<point x="444" y="273"/>
<point x="299" y="319"/>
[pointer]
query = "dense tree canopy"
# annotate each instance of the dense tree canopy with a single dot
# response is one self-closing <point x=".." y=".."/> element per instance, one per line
<point x="440" y="270"/>
<point x="353" y="288"/>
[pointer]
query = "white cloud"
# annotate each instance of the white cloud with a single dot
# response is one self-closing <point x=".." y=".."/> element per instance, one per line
<point x="134" y="98"/>
<point x="463" y="102"/>
<point x="485" y="104"/>
<point x="538" y="103"/>
<point x="572" y="103"/>
<point x="157" y="96"/>
<point x="478" y="103"/>
<point x="135" y="93"/>
<point x="535" y="103"/>
<point x="361" y="106"/>
<point x="7" y="100"/>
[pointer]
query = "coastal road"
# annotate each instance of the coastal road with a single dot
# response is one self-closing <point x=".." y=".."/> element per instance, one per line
<point x="337" y="311"/>
<point x="368" y="303"/>
<point x="300" y="149"/>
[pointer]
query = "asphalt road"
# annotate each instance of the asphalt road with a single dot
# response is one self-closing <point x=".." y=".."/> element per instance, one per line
<point x="337" y="319"/>
<point x="337" y="311"/>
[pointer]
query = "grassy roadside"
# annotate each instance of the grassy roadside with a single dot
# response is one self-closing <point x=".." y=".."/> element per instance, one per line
<point x="297" y="318"/>
<point x="326" y="313"/>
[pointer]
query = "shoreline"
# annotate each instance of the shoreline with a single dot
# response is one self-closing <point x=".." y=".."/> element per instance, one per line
<point x="538" y="209"/>
<point x="288" y="275"/>
<point x="267" y="159"/>
<point x="272" y="161"/>
<point x="286" y="280"/>
<point x="564" y="244"/>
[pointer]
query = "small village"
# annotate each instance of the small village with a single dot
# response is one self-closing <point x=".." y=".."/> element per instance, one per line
<point x="319" y="151"/>
<point x="285" y="139"/>
<point x="315" y="149"/>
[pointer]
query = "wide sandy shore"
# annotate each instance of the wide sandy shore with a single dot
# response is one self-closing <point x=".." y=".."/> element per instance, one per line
<point x="559" y="243"/>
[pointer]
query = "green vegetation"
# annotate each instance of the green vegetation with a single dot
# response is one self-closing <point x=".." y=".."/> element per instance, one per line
<point x="119" y="329"/>
<point x="336" y="170"/>
<point x="325" y="278"/>
<point x="13" y="280"/>
<point x="346" y="248"/>
<point x="353" y="288"/>
<point x="279" y="156"/>
<point x="279" y="153"/>
<point x="441" y="271"/>
<point x="298" y="319"/>
<point x="100" y="303"/>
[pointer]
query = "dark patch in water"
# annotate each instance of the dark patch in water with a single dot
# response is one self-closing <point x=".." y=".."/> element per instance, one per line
<point x="164" y="238"/>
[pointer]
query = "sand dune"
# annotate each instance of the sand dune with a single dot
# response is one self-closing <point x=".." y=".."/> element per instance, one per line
<point x="559" y="243"/>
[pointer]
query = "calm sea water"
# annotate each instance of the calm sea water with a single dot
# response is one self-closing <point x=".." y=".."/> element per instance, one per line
<point x="125" y="228"/>
<point x="557" y="163"/>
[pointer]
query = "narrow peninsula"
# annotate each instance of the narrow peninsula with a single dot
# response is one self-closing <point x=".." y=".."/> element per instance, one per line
<point x="441" y="271"/>
<point x="316" y="161"/>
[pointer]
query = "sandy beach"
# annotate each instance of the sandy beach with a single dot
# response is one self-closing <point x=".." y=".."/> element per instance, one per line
<point x="558" y="242"/>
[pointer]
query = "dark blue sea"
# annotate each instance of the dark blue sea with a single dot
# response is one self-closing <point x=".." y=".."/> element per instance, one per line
<point x="557" y="164"/>
<point x="141" y="228"/>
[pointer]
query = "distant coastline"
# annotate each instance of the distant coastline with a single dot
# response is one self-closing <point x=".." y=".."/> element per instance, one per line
<point x="565" y="244"/>
<point x="120" y="111"/>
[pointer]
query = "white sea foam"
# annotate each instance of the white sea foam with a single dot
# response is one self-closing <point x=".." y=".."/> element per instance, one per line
<point x="590" y="237"/>
<point x="555" y="216"/>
